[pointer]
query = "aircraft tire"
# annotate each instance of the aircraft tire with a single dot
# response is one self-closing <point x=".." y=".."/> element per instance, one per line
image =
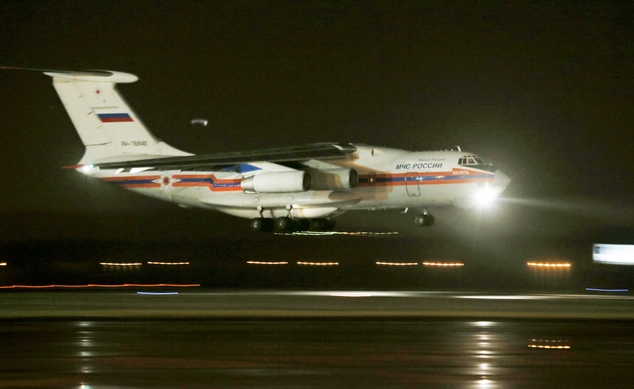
<point x="284" y="224"/>
<point x="261" y="224"/>
<point x="424" y="220"/>
<point x="322" y="225"/>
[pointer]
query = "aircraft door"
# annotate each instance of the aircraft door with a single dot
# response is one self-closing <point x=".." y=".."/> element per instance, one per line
<point x="411" y="184"/>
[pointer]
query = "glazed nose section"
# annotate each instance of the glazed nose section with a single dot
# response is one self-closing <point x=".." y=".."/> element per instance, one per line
<point x="500" y="181"/>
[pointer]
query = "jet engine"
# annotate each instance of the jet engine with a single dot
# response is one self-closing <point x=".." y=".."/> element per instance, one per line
<point x="333" y="179"/>
<point x="277" y="182"/>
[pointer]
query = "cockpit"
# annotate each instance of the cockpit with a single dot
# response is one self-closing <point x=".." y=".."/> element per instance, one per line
<point x="475" y="162"/>
<point x="471" y="160"/>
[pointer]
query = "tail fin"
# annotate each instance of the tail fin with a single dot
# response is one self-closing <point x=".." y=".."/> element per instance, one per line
<point x="107" y="126"/>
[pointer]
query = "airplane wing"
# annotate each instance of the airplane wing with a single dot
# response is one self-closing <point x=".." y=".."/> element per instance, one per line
<point x="320" y="151"/>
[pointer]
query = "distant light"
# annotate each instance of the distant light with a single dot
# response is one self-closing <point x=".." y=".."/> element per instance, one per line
<point x="168" y="263"/>
<point x="613" y="254"/>
<point x="318" y="263"/>
<point x="120" y="264"/>
<point x="157" y="293"/>
<point x="606" y="290"/>
<point x="397" y="263"/>
<point x="549" y="264"/>
<point x="3" y="264"/>
<point x="266" y="263"/>
<point x="444" y="264"/>
<point x="199" y="122"/>
<point x="548" y="347"/>
<point x="549" y="344"/>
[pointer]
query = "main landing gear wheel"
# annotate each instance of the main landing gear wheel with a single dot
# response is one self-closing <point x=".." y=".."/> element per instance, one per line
<point x="322" y="224"/>
<point x="284" y="224"/>
<point x="261" y="224"/>
<point x="426" y="220"/>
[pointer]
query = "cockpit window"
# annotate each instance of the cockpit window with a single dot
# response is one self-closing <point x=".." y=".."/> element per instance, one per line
<point x="472" y="160"/>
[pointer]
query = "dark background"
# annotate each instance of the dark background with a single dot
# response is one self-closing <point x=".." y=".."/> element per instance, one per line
<point x="542" y="89"/>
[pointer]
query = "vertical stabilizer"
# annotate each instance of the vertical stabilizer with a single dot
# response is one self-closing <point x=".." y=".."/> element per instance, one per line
<point x="107" y="126"/>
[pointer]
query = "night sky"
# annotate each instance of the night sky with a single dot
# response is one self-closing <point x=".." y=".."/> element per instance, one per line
<point x="544" y="90"/>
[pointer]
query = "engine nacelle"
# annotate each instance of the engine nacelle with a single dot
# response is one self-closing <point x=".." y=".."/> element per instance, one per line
<point x="333" y="179"/>
<point x="277" y="182"/>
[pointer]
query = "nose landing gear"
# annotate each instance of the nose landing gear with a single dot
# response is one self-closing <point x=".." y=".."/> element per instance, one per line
<point x="425" y="219"/>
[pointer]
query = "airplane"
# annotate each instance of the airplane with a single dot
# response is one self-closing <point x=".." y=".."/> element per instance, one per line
<point x="283" y="189"/>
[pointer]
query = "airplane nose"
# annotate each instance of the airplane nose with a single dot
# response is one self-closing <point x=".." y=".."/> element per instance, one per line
<point x="501" y="180"/>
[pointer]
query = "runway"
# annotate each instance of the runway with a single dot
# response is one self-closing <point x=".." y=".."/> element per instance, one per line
<point x="192" y="303"/>
<point x="181" y="337"/>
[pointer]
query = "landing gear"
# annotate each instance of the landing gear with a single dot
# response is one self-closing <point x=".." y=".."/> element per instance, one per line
<point x="287" y="224"/>
<point x="261" y="224"/>
<point x="322" y="224"/>
<point x="424" y="220"/>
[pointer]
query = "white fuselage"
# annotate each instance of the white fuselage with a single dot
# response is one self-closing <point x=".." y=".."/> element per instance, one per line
<point x="387" y="178"/>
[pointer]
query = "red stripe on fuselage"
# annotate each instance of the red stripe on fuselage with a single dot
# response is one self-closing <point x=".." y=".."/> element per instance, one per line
<point x="209" y="180"/>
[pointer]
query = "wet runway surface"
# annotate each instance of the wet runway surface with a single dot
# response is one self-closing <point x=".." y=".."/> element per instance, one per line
<point x="319" y="339"/>
<point x="316" y="354"/>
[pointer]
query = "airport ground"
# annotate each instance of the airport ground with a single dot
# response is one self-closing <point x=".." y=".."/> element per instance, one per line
<point x="221" y="315"/>
<point x="150" y="337"/>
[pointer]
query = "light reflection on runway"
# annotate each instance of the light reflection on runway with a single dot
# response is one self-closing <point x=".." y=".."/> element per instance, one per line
<point x="441" y="353"/>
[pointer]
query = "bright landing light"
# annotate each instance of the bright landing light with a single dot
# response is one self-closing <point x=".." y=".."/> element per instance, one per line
<point x="485" y="196"/>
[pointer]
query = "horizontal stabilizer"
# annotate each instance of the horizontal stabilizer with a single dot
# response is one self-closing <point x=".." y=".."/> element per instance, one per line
<point x="84" y="75"/>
